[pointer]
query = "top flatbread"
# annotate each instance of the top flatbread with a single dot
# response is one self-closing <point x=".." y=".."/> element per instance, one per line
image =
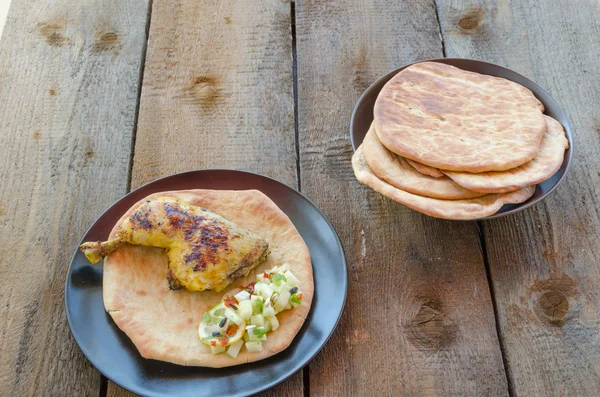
<point x="456" y="120"/>
<point x="397" y="172"/>
<point x="425" y="169"/>
<point x="447" y="209"/>
<point x="163" y="324"/>
<point x="548" y="160"/>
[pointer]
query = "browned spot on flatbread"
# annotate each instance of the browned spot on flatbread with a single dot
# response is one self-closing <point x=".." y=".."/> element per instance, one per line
<point x="141" y="292"/>
<point x="37" y="134"/>
<point x="106" y="41"/>
<point x="52" y="92"/>
<point x="227" y="20"/>
<point x="2" y="210"/>
<point x="52" y="33"/>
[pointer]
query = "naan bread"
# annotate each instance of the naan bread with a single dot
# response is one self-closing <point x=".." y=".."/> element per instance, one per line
<point x="425" y="169"/>
<point x="163" y="324"/>
<point x="447" y="209"/>
<point x="456" y="120"/>
<point x="397" y="172"/>
<point x="542" y="167"/>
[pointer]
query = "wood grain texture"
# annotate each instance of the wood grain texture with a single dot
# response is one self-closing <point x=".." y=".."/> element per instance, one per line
<point x="68" y="93"/>
<point x="218" y="93"/>
<point x="419" y="318"/>
<point x="218" y="90"/>
<point x="545" y="262"/>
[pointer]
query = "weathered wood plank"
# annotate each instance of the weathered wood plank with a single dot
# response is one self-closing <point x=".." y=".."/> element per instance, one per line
<point x="217" y="90"/>
<point x="218" y="93"/>
<point x="69" y="74"/>
<point x="545" y="263"/>
<point x="419" y="318"/>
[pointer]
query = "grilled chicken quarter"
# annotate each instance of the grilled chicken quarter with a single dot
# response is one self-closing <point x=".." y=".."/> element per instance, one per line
<point x="206" y="252"/>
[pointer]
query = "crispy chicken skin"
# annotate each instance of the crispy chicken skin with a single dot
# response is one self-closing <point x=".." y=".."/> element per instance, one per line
<point x="205" y="250"/>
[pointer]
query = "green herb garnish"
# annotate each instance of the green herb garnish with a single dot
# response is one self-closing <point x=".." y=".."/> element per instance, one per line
<point x="277" y="278"/>
<point x="206" y="317"/>
<point x="295" y="299"/>
<point x="259" y="332"/>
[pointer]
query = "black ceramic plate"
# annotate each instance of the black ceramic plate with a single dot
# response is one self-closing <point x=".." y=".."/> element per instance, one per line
<point x="113" y="354"/>
<point x="363" y="116"/>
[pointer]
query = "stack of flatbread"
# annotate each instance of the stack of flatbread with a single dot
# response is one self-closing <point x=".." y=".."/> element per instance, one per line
<point x="457" y="145"/>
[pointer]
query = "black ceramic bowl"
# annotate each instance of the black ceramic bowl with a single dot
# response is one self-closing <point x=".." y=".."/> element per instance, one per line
<point x="363" y="116"/>
<point x="113" y="353"/>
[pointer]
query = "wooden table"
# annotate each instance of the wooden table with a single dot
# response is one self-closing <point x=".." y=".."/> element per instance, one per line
<point x="100" y="96"/>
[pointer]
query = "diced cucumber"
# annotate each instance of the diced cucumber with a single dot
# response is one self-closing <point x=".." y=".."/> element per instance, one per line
<point x="245" y="310"/>
<point x="282" y="301"/>
<point x="217" y="349"/>
<point x="278" y="278"/>
<point x="234" y="348"/>
<point x="284" y="267"/>
<point x="273" y="270"/>
<point x="242" y="296"/>
<point x="267" y="325"/>
<point x="264" y="290"/>
<point x="292" y="280"/>
<point x="257" y="319"/>
<point x="262" y="279"/>
<point x="268" y="311"/>
<point x="246" y="337"/>
<point x="257" y="334"/>
<point x="253" y="347"/>
<point x="288" y="306"/>
<point x="257" y="304"/>
<point x="274" y="322"/>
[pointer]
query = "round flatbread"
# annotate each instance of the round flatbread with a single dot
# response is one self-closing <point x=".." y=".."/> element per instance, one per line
<point x="397" y="172"/>
<point x="447" y="209"/>
<point x="456" y="120"/>
<point x="425" y="169"/>
<point x="163" y="324"/>
<point x="548" y="160"/>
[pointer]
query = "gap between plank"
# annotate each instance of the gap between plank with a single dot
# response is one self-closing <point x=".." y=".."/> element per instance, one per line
<point x="305" y="370"/>
<point x="295" y="90"/>
<point x="481" y="230"/>
<point x="103" y="386"/>
<point x="139" y="95"/>
<point x="437" y="18"/>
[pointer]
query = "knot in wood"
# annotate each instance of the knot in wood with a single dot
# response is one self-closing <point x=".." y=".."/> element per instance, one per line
<point x="204" y="91"/>
<point x="106" y="41"/>
<point x="553" y="307"/>
<point x="428" y="324"/>
<point x="468" y="23"/>
<point x="471" y="20"/>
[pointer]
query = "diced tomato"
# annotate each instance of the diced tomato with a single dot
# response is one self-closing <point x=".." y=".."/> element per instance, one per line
<point x="232" y="329"/>
<point x="223" y="340"/>
<point x="213" y="342"/>
<point x="230" y="300"/>
<point x="265" y="275"/>
<point x="249" y="287"/>
<point x="300" y="295"/>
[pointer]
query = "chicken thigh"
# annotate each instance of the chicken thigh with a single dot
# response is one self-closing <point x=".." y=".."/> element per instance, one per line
<point x="205" y="251"/>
